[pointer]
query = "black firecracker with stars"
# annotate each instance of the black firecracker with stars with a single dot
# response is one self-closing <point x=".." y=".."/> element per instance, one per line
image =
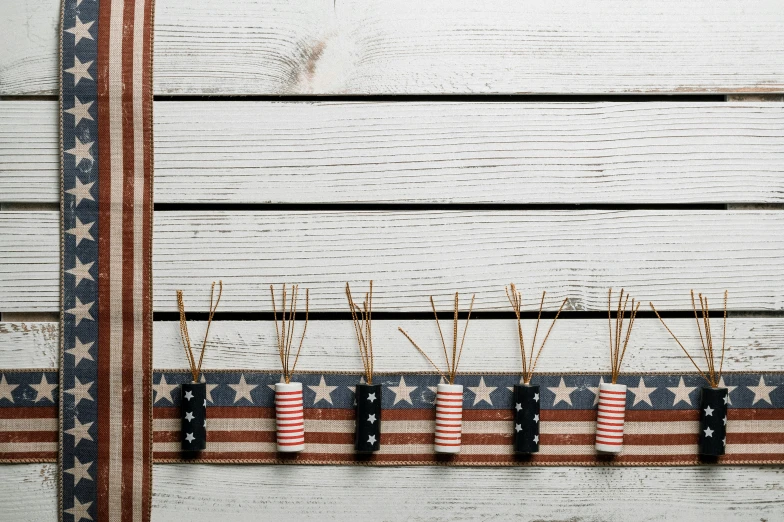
<point x="193" y="412"/>
<point x="526" y="418"/>
<point x="368" y="430"/>
<point x="713" y="421"/>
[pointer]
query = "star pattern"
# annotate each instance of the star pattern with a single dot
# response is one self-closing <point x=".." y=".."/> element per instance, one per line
<point x="80" y="432"/>
<point x="482" y="392"/>
<point x="642" y="393"/>
<point x="81" y="312"/>
<point x="595" y="391"/>
<point x="402" y="392"/>
<point x="322" y="391"/>
<point x="80" y="111"/>
<point x="730" y="389"/>
<point x="80" y="471"/>
<point x="242" y="390"/>
<point x="80" y="30"/>
<point x="80" y="70"/>
<point x="81" y="191"/>
<point x="761" y="391"/>
<point x="44" y="390"/>
<point x="80" y="351"/>
<point x="79" y="510"/>
<point x="368" y="425"/>
<point x="80" y="391"/>
<point x="563" y="393"/>
<point x="81" y="151"/>
<point x="713" y="427"/>
<point x="211" y="388"/>
<point x="193" y="409"/>
<point x="525" y="399"/>
<point x="81" y="271"/>
<point x="682" y="393"/>
<point x="6" y="389"/>
<point x="81" y="231"/>
<point x="163" y="391"/>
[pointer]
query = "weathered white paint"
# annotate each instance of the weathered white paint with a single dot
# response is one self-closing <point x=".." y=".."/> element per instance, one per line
<point x="329" y="152"/>
<point x="197" y="492"/>
<point x="439" y="46"/>
<point x="655" y="254"/>
<point x="754" y="344"/>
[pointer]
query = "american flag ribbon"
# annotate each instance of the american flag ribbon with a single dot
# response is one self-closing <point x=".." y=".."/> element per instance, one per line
<point x="106" y="326"/>
<point x="662" y="419"/>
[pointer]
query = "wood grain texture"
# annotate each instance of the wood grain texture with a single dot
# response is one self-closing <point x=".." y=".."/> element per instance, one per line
<point x="196" y="492"/>
<point x="656" y="255"/>
<point x="754" y="344"/>
<point x="431" y="152"/>
<point x="439" y="46"/>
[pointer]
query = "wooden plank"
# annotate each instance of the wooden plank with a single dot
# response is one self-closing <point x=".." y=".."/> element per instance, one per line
<point x="655" y="254"/>
<point x="29" y="492"/>
<point x="431" y="152"/>
<point x="197" y="492"/>
<point x="29" y="151"/>
<point x="439" y="46"/>
<point x="754" y="344"/>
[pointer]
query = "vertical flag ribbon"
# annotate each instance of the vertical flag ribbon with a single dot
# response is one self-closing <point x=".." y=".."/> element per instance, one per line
<point x="105" y="450"/>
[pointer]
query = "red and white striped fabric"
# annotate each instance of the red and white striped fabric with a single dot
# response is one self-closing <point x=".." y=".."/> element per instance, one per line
<point x="449" y="418"/>
<point x="610" y="417"/>
<point x="289" y="418"/>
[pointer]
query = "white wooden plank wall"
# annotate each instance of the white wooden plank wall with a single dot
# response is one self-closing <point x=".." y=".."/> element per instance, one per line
<point x="439" y="46"/>
<point x="571" y="195"/>
<point x="431" y="152"/>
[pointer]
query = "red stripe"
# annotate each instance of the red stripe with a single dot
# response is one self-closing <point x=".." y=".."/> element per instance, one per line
<point x="29" y="436"/>
<point x="29" y="412"/>
<point x="23" y="457"/>
<point x="128" y="266"/>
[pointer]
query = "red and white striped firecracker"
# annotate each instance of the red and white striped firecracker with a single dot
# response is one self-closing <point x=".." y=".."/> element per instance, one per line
<point x="289" y="418"/>
<point x="610" y="417"/>
<point x="449" y="418"/>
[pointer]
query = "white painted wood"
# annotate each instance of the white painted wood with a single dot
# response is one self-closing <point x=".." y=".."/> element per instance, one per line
<point x="28" y="492"/>
<point x="197" y="492"/>
<point x="754" y="344"/>
<point x="443" y="152"/>
<point x="439" y="46"/>
<point x="656" y="255"/>
<point x="29" y="345"/>
<point x="29" y="151"/>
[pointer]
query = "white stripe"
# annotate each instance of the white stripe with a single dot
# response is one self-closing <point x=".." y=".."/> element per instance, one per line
<point x="115" y="226"/>
<point x="28" y="425"/>
<point x="12" y="447"/>
<point x="139" y="252"/>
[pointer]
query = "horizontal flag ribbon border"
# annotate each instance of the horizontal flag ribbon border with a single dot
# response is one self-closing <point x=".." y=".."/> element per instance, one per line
<point x="661" y="430"/>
